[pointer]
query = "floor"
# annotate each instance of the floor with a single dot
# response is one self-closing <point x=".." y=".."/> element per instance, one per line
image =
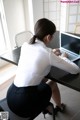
<point x="69" y="96"/>
<point x="72" y="100"/>
<point x="7" y="74"/>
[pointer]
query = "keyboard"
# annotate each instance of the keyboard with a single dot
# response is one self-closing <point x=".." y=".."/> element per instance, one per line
<point x="71" y="57"/>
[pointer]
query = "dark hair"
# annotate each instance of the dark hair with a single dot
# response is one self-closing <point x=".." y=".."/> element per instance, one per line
<point x="42" y="28"/>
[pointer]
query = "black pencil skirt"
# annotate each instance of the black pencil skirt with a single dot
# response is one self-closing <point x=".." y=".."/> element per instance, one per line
<point x="28" y="101"/>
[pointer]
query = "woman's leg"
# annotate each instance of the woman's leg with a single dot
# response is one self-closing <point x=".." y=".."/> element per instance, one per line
<point x="55" y="92"/>
<point x="55" y="96"/>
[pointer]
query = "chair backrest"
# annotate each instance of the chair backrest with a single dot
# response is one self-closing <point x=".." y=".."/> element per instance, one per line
<point x="22" y="37"/>
<point x="77" y="29"/>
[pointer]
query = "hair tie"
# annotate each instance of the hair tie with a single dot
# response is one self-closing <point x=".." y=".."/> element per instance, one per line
<point x="35" y="36"/>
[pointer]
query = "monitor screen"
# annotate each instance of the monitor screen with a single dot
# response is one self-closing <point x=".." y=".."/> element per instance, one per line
<point x="70" y="42"/>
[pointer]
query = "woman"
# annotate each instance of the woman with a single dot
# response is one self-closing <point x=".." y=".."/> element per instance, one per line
<point x="30" y="91"/>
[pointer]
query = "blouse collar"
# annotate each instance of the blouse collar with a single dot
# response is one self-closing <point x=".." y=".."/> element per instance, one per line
<point x="40" y="42"/>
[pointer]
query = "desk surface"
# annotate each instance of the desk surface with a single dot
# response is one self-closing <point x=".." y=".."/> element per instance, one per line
<point x="12" y="57"/>
<point x="60" y="76"/>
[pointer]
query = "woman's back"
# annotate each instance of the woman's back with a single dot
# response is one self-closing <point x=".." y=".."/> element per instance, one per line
<point x="33" y="65"/>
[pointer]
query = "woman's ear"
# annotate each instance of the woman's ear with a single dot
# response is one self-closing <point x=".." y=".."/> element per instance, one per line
<point x="47" y="38"/>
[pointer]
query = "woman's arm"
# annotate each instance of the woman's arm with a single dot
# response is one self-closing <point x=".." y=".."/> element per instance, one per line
<point x="63" y="63"/>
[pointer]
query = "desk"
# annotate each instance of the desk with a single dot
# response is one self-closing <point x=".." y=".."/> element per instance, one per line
<point x="12" y="57"/>
<point x="58" y="75"/>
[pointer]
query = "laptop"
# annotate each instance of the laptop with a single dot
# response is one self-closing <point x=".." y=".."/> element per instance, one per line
<point x="70" y="44"/>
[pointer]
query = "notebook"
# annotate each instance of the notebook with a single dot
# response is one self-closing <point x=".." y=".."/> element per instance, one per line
<point x="71" y="45"/>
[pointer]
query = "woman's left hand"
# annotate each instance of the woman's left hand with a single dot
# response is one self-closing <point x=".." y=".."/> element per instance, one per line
<point x="57" y="51"/>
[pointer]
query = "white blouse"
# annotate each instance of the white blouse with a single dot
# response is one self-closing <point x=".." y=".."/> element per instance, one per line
<point x="35" y="63"/>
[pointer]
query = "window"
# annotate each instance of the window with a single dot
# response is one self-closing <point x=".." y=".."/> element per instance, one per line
<point x="51" y="10"/>
<point x="4" y="37"/>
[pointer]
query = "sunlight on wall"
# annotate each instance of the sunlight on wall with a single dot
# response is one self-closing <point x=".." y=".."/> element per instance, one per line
<point x="4" y="42"/>
<point x="63" y="17"/>
<point x="31" y="15"/>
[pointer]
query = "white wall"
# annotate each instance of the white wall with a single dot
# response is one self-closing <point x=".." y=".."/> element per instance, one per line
<point x="33" y="10"/>
<point x="37" y="9"/>
<point x="14" y="11"/>
<point x="28" y="11"/>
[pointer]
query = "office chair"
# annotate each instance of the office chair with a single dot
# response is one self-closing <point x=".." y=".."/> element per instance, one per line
<point x="12" y="116"/>
<point x="22" y="37"/>
<point x="77" y="29"/>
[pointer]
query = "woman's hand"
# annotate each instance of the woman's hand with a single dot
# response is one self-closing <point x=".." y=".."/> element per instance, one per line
<point x="64" y="55"/>
<point x="57" y="52"/>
